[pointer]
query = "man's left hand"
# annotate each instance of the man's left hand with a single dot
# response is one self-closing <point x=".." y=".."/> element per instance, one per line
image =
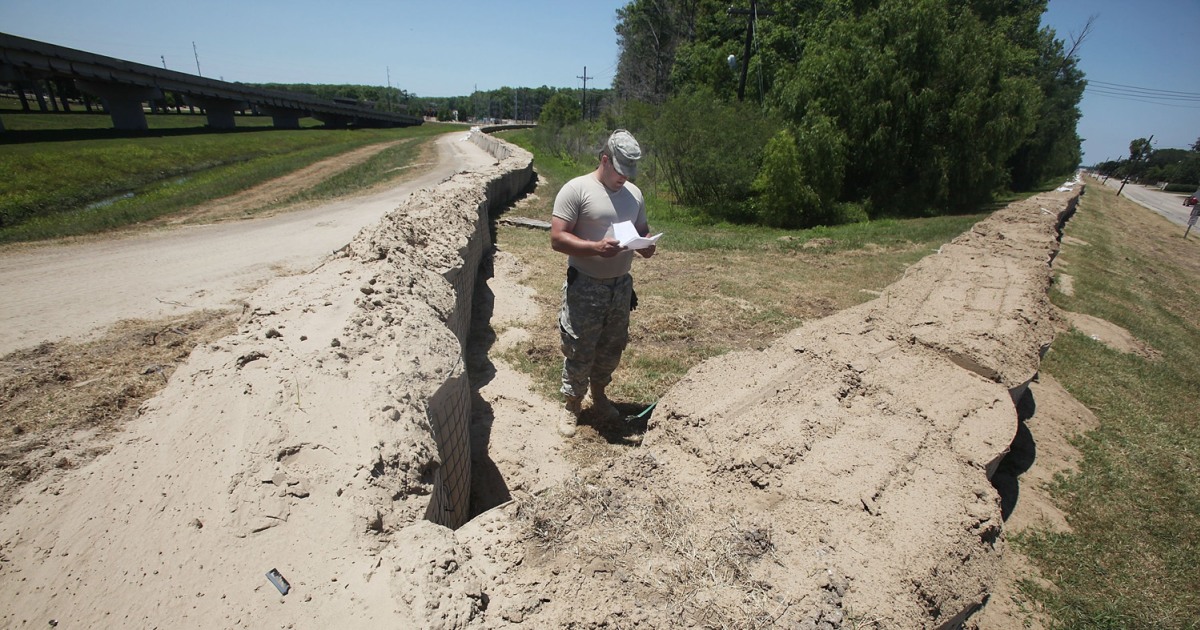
<point x="647" y="252"/>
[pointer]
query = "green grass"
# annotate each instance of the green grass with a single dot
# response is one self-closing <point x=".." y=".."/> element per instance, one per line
<point x="1134" y="506"/>
<point x="714" y="287"/>
<point x="380" y="167"/>
<point x="63" y="187"/>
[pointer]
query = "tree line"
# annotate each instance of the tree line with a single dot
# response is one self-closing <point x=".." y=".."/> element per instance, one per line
<point x="844" y="109"/>
<point x="1179" y="169"/>
<point x="506" y="103"/>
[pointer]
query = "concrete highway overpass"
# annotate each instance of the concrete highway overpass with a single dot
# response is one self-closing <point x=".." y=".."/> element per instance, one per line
<point x="125" y="87"/>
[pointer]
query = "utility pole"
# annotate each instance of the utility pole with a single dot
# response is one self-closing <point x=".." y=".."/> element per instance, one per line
<point x="197" y="55"/>
<point x="585" y="78"/>
<point x="389" y="89"/>
<point x="1139" y="159"/>
<point x="751" y="19"/>
<point x="164" y="60"/>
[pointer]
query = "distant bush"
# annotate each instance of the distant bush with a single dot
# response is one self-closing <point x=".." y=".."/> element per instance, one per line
<point x="709" y="151"/>
<point x="560" y="111"/>
<point x="783" y="198"/>
<point x="1181" y="188"/>
<point x="851" y="212"/>
<point x="576" y="143"/>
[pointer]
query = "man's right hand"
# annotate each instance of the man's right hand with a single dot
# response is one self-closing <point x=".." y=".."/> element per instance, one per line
<point x="608" y="247"/>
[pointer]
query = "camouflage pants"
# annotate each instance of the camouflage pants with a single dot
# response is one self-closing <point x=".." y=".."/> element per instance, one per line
<point x="594" y="326"/>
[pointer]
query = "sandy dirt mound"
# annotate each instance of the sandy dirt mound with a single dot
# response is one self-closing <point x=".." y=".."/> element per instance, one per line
<point x="302" y="443"/>
<point x="839" y="478"/>
<point x="1111" y="335"/>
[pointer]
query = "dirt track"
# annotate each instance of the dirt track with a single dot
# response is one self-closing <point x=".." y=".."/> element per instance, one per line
<point x="66" y="290"/>
<point x="838" y="477"/>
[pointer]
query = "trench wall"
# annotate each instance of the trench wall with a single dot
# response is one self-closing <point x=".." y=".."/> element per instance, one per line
<point x="427" y="254"/>
<point x="450" y="407"/>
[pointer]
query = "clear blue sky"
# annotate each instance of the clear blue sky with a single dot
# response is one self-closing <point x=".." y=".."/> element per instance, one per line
<point x="450" y="49"/>
<point x="1148" y="44"/>
<point x="431" y="48"/>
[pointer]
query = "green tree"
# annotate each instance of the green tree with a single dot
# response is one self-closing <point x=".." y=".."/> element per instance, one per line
<point x="1134" y="167"/>
<point x="922" y="92"/>
<point x="784" y="199"/>
<point x="938" y="104"/>
<point x="709" y="150"/>
<point x="648" y="34"/>
<point x="560" y="111"/>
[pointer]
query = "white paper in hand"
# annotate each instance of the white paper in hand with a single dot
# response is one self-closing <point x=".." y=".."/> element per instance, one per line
<point x="627" y="235"/>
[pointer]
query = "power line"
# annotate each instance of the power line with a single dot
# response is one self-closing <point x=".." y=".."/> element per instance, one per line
<point x="1195" y="95"/>
<point x="1129" y="97"/>
<point x="1153" y="96"/>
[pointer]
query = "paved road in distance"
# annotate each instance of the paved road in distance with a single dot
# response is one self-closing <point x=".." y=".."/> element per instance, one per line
<point x="1169" y="205"/>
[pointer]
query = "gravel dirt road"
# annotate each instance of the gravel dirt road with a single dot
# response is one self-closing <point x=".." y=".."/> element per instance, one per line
<point x="67" y="290"/>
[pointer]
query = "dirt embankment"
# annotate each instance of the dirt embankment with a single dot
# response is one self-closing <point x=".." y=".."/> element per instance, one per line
<point x="301" y="442"/>
<point x="838" y="478"/>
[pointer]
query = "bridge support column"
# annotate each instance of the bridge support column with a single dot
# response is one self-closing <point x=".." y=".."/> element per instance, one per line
<point x="333" y="121"/>
<point x="283" y="118"/>
<point x="219" y="110"/>
<point x="41" y="96"/>
<point x="287" y="121"/>
<point x="18" y="80"/>
<point x="123" y="102"/>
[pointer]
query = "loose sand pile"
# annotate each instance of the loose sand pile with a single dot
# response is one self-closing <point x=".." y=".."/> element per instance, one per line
<point x="303" y="442"/>
<point x="838" y="478"/>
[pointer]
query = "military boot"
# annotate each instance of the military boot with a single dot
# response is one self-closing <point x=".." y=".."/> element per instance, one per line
<point x="602" y="408"/>
<point x="568" y="422"/>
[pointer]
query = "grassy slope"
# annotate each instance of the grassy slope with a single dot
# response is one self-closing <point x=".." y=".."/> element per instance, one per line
<point x="58" y="186"/>
<point x="1131" y="561"/>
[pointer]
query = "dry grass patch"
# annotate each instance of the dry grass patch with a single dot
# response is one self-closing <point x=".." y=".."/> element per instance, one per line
<point x="694" y="305"/>
<point x="700" y="567"/>
<point x="56" y="399"/>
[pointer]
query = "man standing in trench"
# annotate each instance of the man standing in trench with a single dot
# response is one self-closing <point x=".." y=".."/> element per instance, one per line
<point x="598" y="293"/>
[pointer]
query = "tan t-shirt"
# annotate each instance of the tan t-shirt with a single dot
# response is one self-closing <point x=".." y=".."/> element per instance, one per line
<point x="585" y="202"/>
